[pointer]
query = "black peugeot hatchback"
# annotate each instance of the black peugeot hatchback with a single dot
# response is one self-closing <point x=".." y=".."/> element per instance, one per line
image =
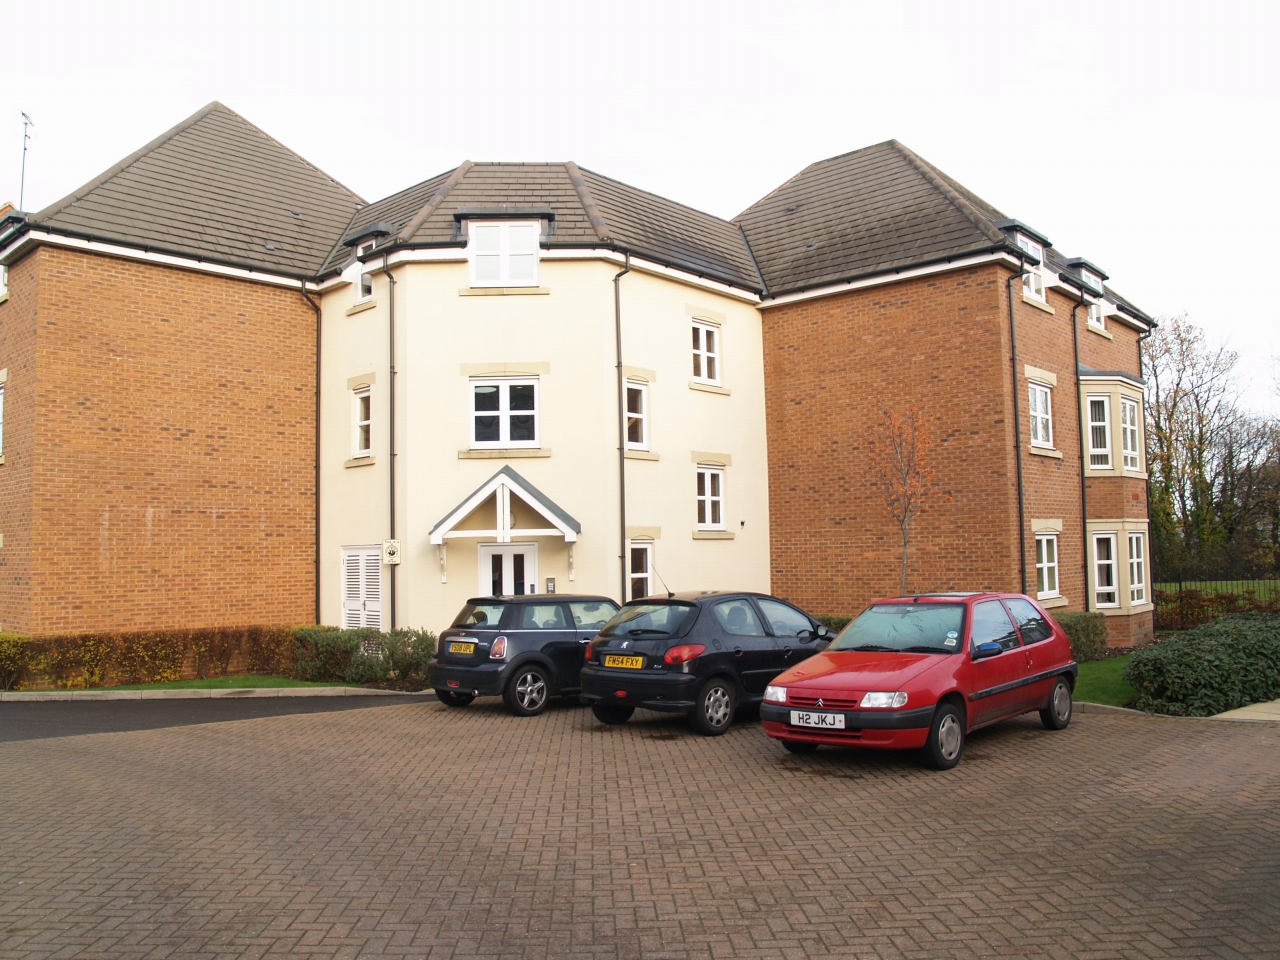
<point x="703" y="654"/>
<point x="526" y="648"/>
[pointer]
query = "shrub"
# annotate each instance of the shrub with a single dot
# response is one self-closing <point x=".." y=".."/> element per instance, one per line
<point x="1087" y="633"/>
<point x="324" y="654"/>
<point x="15" y="655"/>
<point x="833" y="623"/>
<point x="270" y="650"/>
<point x="327" y="654"/>
<point x="1219" y="666"/>
<point x="1179" y="609"/>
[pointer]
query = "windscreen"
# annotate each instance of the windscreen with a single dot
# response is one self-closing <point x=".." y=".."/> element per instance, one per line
<point x="650" y="620"/>
<point x="480" y="615"/>
<point x="906" y="628"/>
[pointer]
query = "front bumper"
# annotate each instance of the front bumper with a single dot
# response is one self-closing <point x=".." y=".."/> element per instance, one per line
<point x="670" y="693"/>
<point x="482" y="679"/>
<point x="884" y="729"/>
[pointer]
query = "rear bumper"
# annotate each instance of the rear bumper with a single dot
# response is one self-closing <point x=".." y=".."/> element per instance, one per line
<point x="671" y="693"/>
<point x="484" y="680"/>
<point x="887" y="729"/>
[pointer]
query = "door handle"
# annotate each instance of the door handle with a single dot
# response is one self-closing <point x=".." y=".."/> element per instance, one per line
<point x="786" y="651"/>
<point x="584" y="641"/>
<point x="737" y="651"/>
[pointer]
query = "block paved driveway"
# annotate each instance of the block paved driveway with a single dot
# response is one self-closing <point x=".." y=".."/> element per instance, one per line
<point x="416" y="830"/>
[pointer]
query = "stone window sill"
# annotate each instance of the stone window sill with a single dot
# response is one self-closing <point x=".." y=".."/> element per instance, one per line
<point x="709" y="388"/>
<point x="1045" y="452"/>
<point x="4" y="296"/>
<point x="1052" y="603"/>
<point x="1125" y="611"/>
<point x="640" y="455"/>
<point x="1099" y="331"/>
<point x="504" y="291"/>
<point x="713" y="534"/>
<point x="1037" y="304"/>
<point x="361" y="307"/>
<point x="519" y="452"/>
<point x="359" y="462"/>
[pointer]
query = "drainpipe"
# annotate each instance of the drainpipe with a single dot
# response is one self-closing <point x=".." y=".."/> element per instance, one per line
<point x="391" y="418"/>
<point x="1084" y="454"/>
<point x="622" y="424"/>
<point x="316" y="307"/>
<point x="1017" y="428"/>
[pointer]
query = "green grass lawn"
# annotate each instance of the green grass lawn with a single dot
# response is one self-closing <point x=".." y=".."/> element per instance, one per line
<point x="228" y="683"/>
<point x="1102" y="682"/>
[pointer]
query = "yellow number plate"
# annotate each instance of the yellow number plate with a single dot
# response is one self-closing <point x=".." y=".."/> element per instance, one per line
<point x="456" y="647"/>
<point x="633" y="663"/>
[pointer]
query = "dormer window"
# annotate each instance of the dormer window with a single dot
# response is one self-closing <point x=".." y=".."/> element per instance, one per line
<point x="364" y="290"/>
<point x="1096" y="316"/>
<point x="1033" y="279"/>
<point x="503" y="254"/>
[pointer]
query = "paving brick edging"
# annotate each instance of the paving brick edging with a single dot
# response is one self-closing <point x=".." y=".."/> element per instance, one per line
<point x="1083" y="706"/>
<point x="30" y="695"/>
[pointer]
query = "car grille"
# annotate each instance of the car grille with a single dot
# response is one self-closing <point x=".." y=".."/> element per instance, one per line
<point x="828" y="703"/>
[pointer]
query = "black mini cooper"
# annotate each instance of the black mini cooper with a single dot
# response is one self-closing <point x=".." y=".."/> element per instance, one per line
<point x="702" y="654"/>
<point x="527" y="648"/>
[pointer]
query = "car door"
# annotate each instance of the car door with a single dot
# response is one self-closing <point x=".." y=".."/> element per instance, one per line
<point x="1035" y="630"/>
<point x="995" y="688"/>
<point x="589" y="618"/>
<point x="755" y="654"/>
<point x="794" y="630"/>
<point x="549" y="627"/>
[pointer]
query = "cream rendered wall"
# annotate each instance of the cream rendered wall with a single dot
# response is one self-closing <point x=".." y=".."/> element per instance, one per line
<point x="569" y="334"/>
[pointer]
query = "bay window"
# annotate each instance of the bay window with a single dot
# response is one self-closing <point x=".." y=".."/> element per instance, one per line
<point x="1137" y="568"/>
<point x="1106" y="593"/>
<point x="1100" y="432"/>
<point x="1129" y="412"/>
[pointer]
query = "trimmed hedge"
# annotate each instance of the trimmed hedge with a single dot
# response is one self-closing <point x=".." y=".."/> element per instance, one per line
<point x="833" y="623"/>
<point x="1087" y="633"/>
<point x="328" y="654"/>
<point x="1219" y="666"/>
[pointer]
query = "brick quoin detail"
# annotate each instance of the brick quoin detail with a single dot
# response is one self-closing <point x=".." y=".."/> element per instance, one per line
<point x="159" y="447"/>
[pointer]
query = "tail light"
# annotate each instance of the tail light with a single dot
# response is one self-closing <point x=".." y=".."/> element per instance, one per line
<point x="499" y="649"/>
<point x="683" y="652"/>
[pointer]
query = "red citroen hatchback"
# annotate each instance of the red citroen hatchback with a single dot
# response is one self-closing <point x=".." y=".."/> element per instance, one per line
<point x="922" y="672"/>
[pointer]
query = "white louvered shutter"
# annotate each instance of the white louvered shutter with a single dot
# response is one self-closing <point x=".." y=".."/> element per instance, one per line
<point x="373" y="589"/>
<point x="352" y="592"/>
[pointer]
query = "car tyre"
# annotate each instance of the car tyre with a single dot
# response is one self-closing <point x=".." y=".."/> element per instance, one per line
<point x="452" y="698"/>
<point x="715" y="706"/>
<point x="1057" y="715"/>
<point x="799" y="746"/>
<point x="945" y="745"/>
<point x="527" y="692"/>
<point x="606" y="713"/>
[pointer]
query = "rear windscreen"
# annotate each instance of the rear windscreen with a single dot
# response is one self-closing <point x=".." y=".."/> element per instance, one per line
<point x="480" y="615"/>
<point x="651" y="620"/>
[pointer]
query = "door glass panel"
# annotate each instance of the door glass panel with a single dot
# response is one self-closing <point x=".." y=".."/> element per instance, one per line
<point x="539" y="616"/>
<point x="496" y="566"/>
<point x="992" y="625"/>
<point x="1031" y="621"/>
<point x="517" y="573"/>
<point x="786" y="621"/>
<point x="737" y="617"/>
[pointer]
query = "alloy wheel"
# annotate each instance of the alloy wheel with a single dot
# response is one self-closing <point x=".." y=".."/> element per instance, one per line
<point x="531" y="691"/>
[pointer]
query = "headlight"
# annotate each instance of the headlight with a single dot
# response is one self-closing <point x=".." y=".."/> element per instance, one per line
<point x="775" y="694"/>
<point x="880" y="699"/>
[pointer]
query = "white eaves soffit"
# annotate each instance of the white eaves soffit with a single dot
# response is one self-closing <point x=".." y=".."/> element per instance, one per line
<point x="500" y="489"/>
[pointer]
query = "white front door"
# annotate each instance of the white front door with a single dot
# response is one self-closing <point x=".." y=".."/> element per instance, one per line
<point x="361" y="587"/>
<point x="508" y="569"/>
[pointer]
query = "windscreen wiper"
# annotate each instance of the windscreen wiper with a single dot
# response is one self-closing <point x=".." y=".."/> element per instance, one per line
<point x="921" y="648"/>
<point x="873" y="648"/>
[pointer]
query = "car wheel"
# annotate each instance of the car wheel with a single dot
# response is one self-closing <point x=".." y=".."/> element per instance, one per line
<point x="1057" y="715"/>
<point x="946" y="738"/>
<point x="452" y="698"/>
<point x="527" y="692"/>
<point x="799" y="746"/>
<point x="715" y="706"/>
<point x="607" y="714"/>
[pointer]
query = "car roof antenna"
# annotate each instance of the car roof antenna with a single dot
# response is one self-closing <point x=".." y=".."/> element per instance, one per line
<point x="660" y="580"/>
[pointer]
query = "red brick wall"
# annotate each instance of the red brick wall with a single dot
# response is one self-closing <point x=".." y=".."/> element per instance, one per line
<point x="18" y="354"/>
<point x="173" y="463"/>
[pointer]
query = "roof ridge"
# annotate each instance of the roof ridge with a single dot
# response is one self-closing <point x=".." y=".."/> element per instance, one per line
<point x="959" y="201"/>
<point x="117" y="168"/>
<point x="816" y="163"/>
<point x="428" y="208"/>
<point x="593" y="213"/>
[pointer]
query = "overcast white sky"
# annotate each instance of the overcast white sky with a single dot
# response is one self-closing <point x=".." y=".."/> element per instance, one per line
<point x="1142" y="136"/>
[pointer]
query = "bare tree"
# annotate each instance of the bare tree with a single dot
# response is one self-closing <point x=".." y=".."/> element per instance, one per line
<point x="898" y="449"/>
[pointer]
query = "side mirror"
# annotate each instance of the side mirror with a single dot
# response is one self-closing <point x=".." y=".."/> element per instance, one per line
<point x="984" y="650"/>
<point x="823" y="631"/>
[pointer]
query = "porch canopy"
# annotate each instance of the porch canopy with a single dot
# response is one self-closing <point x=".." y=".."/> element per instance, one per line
<point x="501" y="494"/>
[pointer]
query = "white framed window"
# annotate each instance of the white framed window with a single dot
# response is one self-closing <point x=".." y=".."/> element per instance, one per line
<point x="1106" y="594"/>
<point x="366" y="248"/>
<point x="637" y="415"/>
<point x="1096" y="317"/>
<point x="1092" y="280"/>
<point x="710" y="498"/>
<point x="641" y="561"/>
<point x="503" y="254"/>
<point x="362" y="441"/>
<point x="1041" y="410"/>
<point x="1137" y="569"/>
<point x="1046" y="565"/>
<point x="706" y="352"/>
<point x="4" y="280"/>
<point x="365" y="289"/>
<point x="1033" y="279"/>
<point x="1129" y="411"/>
<point x="1099" y="431"/>
<point x="504" y="413"/>
<point x="362" y="587"/>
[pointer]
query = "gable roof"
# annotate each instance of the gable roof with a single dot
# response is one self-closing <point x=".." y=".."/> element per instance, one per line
<point x="870" y="211"/>
<point x="216" y="188"/>
<point x="587" y="209"/>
